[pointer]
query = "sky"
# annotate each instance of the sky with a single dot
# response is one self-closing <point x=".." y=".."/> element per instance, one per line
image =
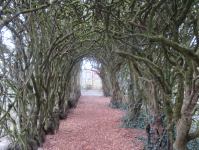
<point x="86" y="65"/>
<point x="7" y="40"/>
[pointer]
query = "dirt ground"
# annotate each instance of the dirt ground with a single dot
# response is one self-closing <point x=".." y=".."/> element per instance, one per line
<point x="91" y="93"/>
<point x="92" y="125"/>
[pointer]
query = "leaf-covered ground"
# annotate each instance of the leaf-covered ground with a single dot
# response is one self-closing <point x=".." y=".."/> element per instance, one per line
<point x="92" y="125"/>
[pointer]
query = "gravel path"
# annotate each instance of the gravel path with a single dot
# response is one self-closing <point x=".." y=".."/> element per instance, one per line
<point x="91" y="93"/>
<point x="92" y="125"/>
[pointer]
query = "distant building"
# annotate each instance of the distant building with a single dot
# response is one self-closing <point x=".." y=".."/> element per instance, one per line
<point x="90" y="80"/>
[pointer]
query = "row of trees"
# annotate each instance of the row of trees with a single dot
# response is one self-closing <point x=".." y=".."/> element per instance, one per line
<point x="159" y="41"/>
<point x="40" y="74"/>
<point x="147" y="56"/>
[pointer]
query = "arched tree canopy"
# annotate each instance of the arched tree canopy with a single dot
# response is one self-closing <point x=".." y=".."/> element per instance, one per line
<point x="146" y="52"/>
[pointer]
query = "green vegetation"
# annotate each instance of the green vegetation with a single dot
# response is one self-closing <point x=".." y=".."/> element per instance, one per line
<point x="146" y="53"/>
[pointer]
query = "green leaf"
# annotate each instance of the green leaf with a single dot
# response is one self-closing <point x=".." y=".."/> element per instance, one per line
<point x="177" y="2"/>
<point x="128" y="1"/>
<point x="132" y="11"/>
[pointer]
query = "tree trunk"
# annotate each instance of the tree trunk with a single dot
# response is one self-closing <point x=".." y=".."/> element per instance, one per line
<point x="105" y="83"/>
<point x="116" y="100"/>
<point x="155" y="129"/>
<point x="105" y="86"/>
<point x="183" y="125"/>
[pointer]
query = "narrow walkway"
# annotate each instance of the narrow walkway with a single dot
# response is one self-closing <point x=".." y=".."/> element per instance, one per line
<point x="92" y="125"/>
<point x="91" y="93"/>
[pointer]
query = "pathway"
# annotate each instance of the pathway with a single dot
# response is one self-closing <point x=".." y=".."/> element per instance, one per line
<point x="91" y="93"/>
<point x="92" y="125"/>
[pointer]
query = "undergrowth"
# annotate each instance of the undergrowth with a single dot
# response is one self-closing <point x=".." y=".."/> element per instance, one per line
<point x="140" y="123"/>
<point x="112" y="105"/>
<point x="124" y="106"/>
<point x="130" y="122"/>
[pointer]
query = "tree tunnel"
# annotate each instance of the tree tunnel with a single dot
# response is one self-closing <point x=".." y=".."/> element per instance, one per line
<point x="146" y="54"/>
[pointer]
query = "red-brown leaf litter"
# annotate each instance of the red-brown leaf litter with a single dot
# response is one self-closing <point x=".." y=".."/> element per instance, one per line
<point x="92" y="125"/>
